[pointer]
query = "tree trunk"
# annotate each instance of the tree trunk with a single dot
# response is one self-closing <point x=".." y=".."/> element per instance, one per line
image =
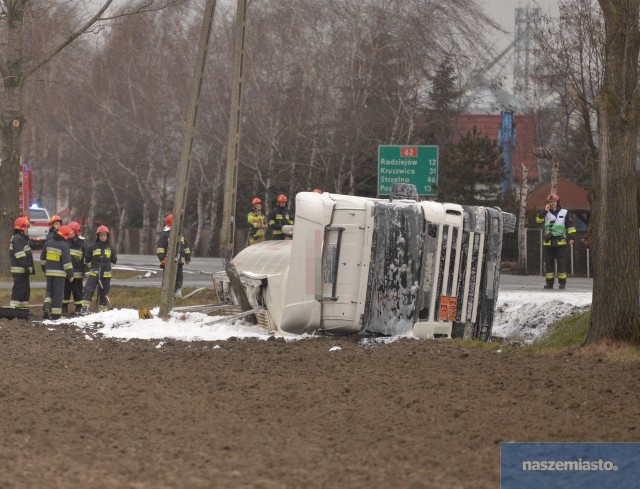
<point x="200" y="207"/>
<point x="91" y="213"/>
<point x="522" y="229"/>
<point x="143" y="247"/>
<point x="555" y="166"/>
<point x="11" y="128"/>
<point x="615" y="312"/>
<point x="121" y="210"/>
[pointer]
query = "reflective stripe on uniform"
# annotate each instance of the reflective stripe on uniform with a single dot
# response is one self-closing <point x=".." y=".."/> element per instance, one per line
<point x="98" y="252"/>
<point x="55" y="273"/>
<point x="54" y="254"/>
<point x="76" y="253"/>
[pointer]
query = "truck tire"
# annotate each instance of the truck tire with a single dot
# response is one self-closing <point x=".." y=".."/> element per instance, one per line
<point x="508" y="222"/>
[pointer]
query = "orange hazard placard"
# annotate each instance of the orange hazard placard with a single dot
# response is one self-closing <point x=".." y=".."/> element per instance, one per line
<point x="448" y="308"/>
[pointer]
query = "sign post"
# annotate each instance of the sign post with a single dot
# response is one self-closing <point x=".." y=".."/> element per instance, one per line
<point x="416" y="165"/>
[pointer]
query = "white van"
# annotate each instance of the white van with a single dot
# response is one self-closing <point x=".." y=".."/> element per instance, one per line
<point x="39" y="219"/>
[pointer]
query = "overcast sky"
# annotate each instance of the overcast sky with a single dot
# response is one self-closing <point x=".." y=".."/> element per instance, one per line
<point x="504" y="11"/>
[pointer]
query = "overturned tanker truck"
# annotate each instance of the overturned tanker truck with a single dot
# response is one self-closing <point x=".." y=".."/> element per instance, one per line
<point x="389" y="267"/>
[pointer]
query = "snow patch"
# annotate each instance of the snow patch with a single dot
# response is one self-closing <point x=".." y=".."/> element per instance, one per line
<point x="525" y="316"/>
<point x="520" y="316"/>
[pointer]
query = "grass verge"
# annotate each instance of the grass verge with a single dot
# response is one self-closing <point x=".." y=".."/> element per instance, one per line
<point x="569" y="334"/>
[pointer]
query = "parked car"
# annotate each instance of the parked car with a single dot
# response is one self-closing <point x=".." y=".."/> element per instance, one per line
<point x="39" y="218"/>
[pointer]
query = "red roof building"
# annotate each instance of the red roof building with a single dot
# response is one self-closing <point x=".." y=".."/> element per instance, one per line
<point x="572" y="197"/>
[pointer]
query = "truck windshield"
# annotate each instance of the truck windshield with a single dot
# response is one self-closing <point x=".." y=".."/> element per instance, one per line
<point x="38" y="215"/>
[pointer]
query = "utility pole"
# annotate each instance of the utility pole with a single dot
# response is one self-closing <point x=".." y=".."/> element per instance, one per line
<point x="233" y="143"/>
<point x="169" y="277"/>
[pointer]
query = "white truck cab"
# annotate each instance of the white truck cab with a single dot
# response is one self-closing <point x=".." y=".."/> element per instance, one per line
<point x="388" y="267"/>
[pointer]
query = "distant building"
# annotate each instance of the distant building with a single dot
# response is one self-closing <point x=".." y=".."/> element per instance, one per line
<point x="572" y="197"/>
<point x="524" y="141"/>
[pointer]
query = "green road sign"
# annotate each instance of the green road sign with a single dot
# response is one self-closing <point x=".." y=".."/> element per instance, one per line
<point x="417" y="165"/>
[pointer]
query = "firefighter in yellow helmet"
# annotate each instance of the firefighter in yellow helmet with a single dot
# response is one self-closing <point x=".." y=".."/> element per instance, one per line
<point x="279" y="216"/>
<point x="257" y="222"/>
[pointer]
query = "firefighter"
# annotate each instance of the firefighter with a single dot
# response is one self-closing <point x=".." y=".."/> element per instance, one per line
<point x="77" y="248"/>
<point x="257" y="223"/>
<point x="21" y="264"/>
<point x="558" y="230"/>
<point x="98" y="259"/>
<point x="56" y="260"/>
<point x="278" y="217"/>
<point x="183" y="254"/>
<point x="54" y="224"/>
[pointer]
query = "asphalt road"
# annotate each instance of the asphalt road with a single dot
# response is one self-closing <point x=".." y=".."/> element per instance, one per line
<point x="198" y="274"/>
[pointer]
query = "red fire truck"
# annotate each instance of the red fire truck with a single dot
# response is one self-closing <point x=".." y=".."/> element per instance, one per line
<point x="38" y="216"/>
<point x="25" y="193"/>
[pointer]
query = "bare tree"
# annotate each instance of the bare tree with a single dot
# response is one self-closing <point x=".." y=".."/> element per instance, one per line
<point x="571" y="69"/>
<point x="21" y="56"/>
<point x="544" y="153"/>
<point x="522" y="221"/>
<point x="615" y="312"/>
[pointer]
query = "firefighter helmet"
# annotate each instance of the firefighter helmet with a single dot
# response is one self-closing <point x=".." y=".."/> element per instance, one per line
<point x="255" y="202"/>
<point x="54" y="219"/>
<point x="75" y="226"/>
<point x="21" y="223"/>
<point x="65" y="231"/>
<point x="102" y="230"/>
<point x="169" y="220"/>
<point x="281" y="198"/>
<point x="553" y="197"/>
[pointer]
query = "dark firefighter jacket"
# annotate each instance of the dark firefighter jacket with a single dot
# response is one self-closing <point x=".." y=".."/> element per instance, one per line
<point x="278" y="217"/>
<point x="56" y="259"/>
<point x="78" y="248"/>
<point x="99" y="257"/>
<point x="184" y="253"/>
<point x="21" y="256"/>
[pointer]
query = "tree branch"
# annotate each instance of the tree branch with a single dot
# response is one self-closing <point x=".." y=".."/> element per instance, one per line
<point x="144" y="7"/>
<point x="72" y="37"/>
